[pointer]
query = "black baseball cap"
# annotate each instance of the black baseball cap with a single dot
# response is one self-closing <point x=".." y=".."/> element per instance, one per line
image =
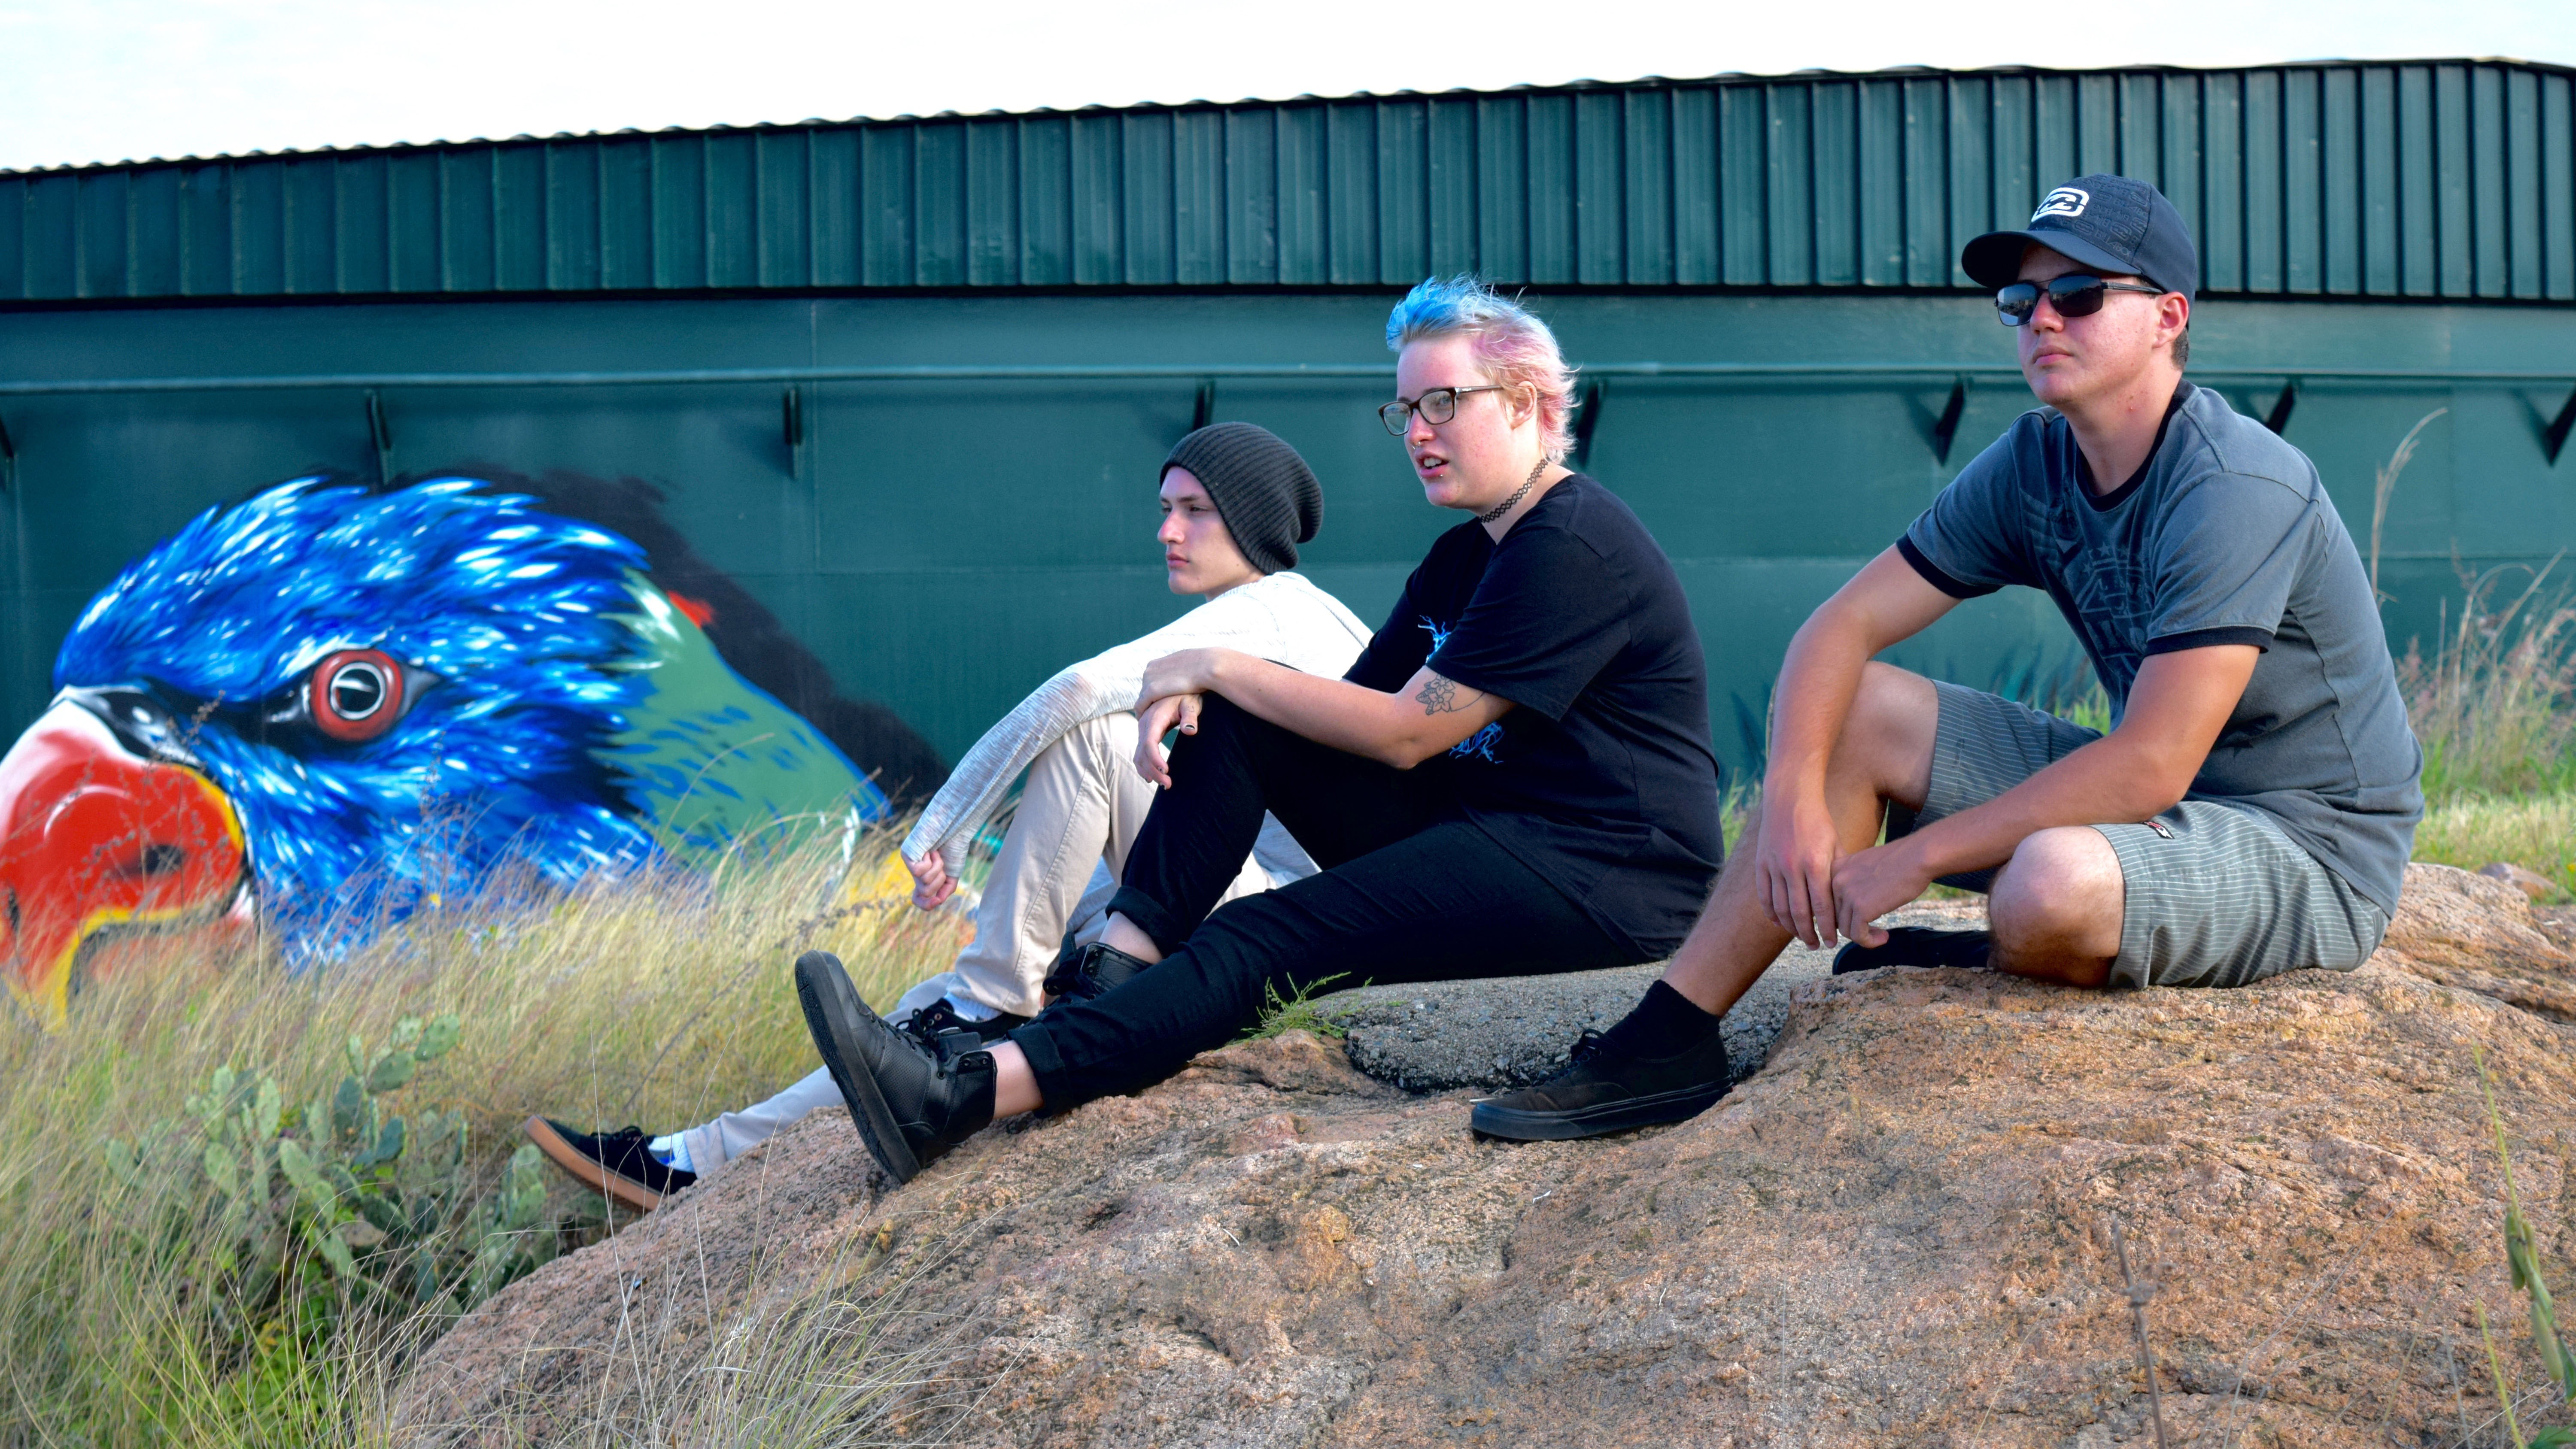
<point x="2110" y="222"/>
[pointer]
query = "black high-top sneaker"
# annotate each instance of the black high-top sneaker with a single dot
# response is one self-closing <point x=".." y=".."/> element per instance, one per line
<point x="1918" y="946"/>
<point x="1604" y="1090"/>
<point x="1092" y="971"/>
<point x="940" y="1018"/>
<point x="912" y="1102"/>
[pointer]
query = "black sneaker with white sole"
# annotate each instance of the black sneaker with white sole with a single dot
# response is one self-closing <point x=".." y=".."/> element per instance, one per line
<point x="1919" y="946"/>
<point x="1093" y="971"/>
<point x="1604" y="1091"/>
<point x="911" y="1101"/>
<point x="619" y="1163"/>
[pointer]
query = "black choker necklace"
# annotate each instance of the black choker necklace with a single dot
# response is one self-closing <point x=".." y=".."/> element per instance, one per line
<point x="1499" y="509"/>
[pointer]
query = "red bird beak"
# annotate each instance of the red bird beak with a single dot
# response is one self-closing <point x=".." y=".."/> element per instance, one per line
<point x="98" y="837"/>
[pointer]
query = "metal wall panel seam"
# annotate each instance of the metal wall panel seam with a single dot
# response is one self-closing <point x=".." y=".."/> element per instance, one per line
<point x="1451" y="163"/>
<point x="1600" y="209"/>
<point x="2097" y="124"/>
<point x="782" y="205"/>
<point x="1251" y="184"/>
<point x="1553" y="224"/>
<point x="2378" y="176"/>
<point x="2558" y="187"/>
<point x="2139" y="126"/>
<point x="1350" y="178"/>
<point x="992" y="190"/>
<point x="1968" y="180"/>
<point x="2181" y="108"/>
<point x="2487" y="179"/>
<point x="940" y="221"/>
<point x="1742" y="194"/>
<point x="1502" y="188"/>
<point x="2222" y="242"/>
<point x="1147" y="164"/>
<point x="1698" y="203"/>
<point x="1046" y="200"/>
<point x="1099" y="256"/>
<point x="2012" y="151"/>
<point x="1403" y="192"/>
<point x="1925" y="108"/>
<point x="1646" y="185"/>
<point x="1881" y="154"/>
<point x="2418" y="210"/>
<point x="2452" y="167"/>
<point x="2522" y="183"/>
<point x="1198" y="197"/>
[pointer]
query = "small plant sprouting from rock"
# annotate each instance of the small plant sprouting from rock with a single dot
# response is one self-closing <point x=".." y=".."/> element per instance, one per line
<point x="301" y="1215"/>
<point x="1298" y="1012"/>
<point x="2522" y="1256"/>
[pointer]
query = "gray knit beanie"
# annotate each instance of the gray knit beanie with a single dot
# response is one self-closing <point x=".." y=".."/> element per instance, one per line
<point x="1266" y="494"/>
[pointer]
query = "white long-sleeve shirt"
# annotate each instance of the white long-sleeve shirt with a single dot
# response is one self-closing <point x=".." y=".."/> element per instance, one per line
<point x="1281" y="617"/>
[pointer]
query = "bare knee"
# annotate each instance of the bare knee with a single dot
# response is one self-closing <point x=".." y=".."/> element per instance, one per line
<point x="1888" y="737"/>
<point x="2055" y="908"/>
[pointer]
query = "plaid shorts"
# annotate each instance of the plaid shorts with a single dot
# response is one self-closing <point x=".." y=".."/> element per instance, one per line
<point x="2213" y="893"/>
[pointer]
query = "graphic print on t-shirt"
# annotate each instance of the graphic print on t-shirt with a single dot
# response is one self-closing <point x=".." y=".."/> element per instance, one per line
<point x="1480" y="745"/>
<point x="2111" y="592"/>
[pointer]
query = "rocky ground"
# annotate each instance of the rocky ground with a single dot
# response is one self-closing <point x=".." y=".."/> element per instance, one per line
<point x="1895" y="1231"/>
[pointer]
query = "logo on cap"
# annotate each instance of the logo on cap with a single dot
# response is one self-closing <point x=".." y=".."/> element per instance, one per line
<point x="2064" y="201"/>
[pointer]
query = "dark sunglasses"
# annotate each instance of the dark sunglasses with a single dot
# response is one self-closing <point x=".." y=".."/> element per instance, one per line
<point x="2073" y="295"/>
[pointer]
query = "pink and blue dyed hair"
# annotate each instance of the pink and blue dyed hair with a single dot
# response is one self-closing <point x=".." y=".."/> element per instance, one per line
<point x="1511" y="346"/>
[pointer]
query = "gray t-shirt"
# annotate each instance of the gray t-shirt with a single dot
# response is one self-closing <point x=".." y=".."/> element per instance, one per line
<point x="2225" y="536"/>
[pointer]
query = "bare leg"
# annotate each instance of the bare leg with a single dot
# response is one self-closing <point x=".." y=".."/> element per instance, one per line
<point x="2056" y="907"/>
<point x="1885" y="754"/>
<point x="1015" y="1087"/>
<point x="1125" y="935"/>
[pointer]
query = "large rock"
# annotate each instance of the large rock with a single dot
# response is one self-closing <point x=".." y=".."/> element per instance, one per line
<point x="1493" y="1035"/>
<point x="1897" y="1232"/>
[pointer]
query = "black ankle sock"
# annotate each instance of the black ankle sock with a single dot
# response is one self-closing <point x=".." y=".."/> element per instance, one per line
<point x="1665" y="1024"/>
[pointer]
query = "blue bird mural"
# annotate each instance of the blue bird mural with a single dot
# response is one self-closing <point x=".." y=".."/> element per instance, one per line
<point x="314" y="706"/>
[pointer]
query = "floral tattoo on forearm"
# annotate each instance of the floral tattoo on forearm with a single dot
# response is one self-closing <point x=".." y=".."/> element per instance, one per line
<point x="1440" y="696"/>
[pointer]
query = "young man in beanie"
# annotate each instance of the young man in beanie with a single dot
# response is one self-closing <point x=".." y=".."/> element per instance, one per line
<point x="1515" y="777"/>
<point x="1236" y="503"/>
<point x="2253" y="806"/>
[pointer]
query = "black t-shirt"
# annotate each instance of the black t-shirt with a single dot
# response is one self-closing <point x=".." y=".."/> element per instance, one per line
<point x="1602" y="780"/>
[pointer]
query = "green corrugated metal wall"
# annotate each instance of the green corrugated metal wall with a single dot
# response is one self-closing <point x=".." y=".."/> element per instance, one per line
<point x="2433" y="179"/>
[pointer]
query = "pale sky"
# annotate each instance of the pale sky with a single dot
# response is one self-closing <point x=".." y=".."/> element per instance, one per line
<point x="107" y="80"/>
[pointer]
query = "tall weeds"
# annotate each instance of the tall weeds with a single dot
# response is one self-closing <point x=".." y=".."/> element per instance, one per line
<point x="2495" y="704"/>
<point x="658" y="1001"/>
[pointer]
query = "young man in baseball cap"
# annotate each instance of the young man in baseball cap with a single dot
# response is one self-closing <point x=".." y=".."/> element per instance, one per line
<point x="2250" y="811"/>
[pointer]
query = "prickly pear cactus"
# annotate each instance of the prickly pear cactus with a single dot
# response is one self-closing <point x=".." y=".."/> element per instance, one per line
<point x="355" y="1196"/>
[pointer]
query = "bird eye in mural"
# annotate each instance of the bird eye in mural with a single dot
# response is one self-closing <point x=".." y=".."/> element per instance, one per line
<point x="313" y="707"/>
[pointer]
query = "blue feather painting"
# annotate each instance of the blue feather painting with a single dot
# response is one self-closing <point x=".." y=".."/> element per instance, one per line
<point x="318" y="705"/>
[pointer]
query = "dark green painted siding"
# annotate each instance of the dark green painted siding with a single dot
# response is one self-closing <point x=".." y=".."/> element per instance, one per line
<point x="944" y="541"/>
<point x="2438" y="179"/>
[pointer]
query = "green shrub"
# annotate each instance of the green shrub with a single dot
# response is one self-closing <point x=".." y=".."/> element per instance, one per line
<point x="288" y="1221"/>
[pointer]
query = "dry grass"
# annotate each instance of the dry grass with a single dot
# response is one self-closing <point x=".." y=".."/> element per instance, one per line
<point x="657" y="1002"/>
<point x="2494" y="707"/>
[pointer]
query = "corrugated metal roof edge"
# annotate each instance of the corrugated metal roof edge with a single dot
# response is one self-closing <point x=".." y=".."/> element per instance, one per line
<point x="1723" y="78"/>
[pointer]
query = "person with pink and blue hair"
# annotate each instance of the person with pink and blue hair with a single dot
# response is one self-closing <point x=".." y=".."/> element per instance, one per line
<point x="1515" y="777"/>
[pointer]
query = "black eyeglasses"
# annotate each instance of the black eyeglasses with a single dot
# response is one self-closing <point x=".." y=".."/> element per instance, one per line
<point x="2073" y="295"/>
<point x="1437" y="405"/>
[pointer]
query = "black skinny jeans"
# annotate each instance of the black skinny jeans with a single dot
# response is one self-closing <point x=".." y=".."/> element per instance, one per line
<point x="1410" y="891"/>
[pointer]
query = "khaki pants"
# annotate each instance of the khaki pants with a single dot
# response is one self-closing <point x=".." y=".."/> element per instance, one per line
<point x="1060" y="863"/>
